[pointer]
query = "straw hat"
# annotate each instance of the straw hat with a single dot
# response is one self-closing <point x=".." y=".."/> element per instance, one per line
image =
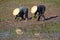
<point x="16" y="11"/>
<point x="33" y="9"/>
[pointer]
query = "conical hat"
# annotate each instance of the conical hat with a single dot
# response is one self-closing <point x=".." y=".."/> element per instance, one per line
<point x="16" y="11"/>
<point x="33" y="9"/>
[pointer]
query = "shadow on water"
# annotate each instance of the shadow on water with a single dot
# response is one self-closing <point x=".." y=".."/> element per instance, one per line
<point x="51" y="17"/>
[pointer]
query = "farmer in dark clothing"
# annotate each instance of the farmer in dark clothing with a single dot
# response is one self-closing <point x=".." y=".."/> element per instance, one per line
<point x="23" y="13"/>
<point x="41" y="10"/>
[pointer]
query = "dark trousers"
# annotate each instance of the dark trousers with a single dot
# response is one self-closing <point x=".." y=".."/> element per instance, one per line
<point x="26" y="14"/>
<point x="40" y="14"/>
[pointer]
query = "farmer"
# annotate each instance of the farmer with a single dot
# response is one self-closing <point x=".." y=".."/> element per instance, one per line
<point x="40" y="9"/>
<point x="21" y="12"/>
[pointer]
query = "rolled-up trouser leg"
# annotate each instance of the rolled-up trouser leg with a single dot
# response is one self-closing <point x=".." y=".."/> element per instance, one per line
<point x="43" y="16"/>
<point x="26" y="14"/>
<point x="22" y="16"/>
<point x="38" y="17"/>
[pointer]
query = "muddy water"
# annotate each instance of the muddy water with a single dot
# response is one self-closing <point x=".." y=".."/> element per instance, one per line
<point x="41" y="36"/>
